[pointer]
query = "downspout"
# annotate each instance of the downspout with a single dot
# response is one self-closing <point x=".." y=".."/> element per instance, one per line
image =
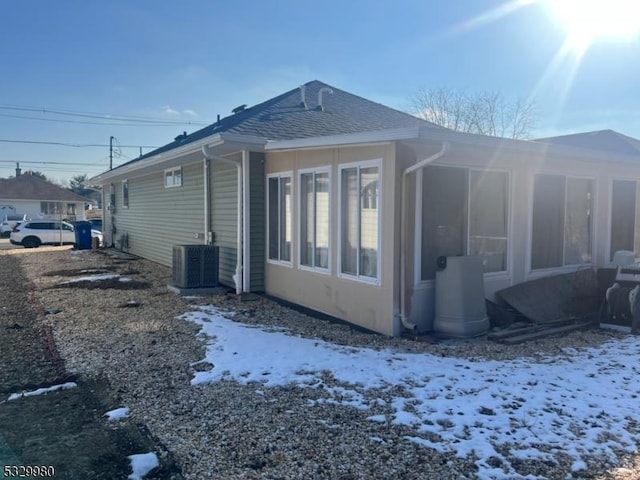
<point x="237" y="278"/>
<point x="206" y="163"/>
<point x="403" y="226"/>
<point x="246" y="220"/>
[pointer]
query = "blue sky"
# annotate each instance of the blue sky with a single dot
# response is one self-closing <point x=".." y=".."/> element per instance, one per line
<point x="189" y="61"/>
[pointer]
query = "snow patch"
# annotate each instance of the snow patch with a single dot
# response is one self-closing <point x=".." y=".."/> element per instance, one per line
<point x="42" y="391"/>
<point x="141" y="464"/>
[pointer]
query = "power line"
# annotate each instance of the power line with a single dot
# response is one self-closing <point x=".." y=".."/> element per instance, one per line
<point x="76" y="145"/>
<point x="87" y="122"/>
<point x="44" y="162"/>
<point x="101" y="116"/>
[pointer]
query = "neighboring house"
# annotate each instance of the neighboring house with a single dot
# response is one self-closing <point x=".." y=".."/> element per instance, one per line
<point x="342" y="205"/>
<point x="37" y="198"/>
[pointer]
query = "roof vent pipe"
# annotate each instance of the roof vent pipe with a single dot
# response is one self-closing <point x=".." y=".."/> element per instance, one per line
<point x="303" y="96"/>
<point x="323" y="89"/>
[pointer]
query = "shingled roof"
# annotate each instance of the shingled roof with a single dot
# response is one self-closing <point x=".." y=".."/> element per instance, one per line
<point x="602" y="140"/>
<point x="31" y="187"/>
<point x="286" y="117"/>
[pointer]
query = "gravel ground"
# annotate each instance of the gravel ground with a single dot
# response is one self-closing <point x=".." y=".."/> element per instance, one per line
<point x="129" y="334"/>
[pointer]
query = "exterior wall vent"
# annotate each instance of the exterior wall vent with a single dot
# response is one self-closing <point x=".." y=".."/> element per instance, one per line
<point x="195" y="266"/>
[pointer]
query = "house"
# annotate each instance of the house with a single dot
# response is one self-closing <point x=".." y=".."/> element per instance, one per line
<point x="37" y="198"/>
<point x="342" y="205"/>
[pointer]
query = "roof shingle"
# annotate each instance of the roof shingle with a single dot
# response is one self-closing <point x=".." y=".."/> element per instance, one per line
<point x="286" y="117"/>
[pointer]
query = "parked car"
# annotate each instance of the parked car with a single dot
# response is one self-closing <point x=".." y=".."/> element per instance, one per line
<point x="8" y="222"/>
<point x="96" y="223"/>
<point x="98" y="234"/>
<point x="33" y="233"/>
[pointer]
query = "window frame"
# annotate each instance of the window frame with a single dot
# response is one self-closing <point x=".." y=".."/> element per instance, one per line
<point x="609" y="245"/>
<point x="278" y="261"/>
<point x="173" y="177"/>
<point x="112" y="197"/>
<point x="418" y="280"/>
<point x="359" y="165"/>
<point x="593" y="223"/>
<point x="313" y="268"/>
<point x="125" y="193"/>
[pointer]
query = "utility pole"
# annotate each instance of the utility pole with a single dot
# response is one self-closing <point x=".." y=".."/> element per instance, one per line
<point x="111" y="152"/>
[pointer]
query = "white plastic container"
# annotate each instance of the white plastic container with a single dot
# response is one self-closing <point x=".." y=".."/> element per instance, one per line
<point x="460" y="309"/>
<point x="623" y="257"/>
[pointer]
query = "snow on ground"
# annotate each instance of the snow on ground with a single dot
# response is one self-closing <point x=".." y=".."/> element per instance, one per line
<point x="117" y="414"/>
<point x="579" y="404"/>
<point x="42" y="391"/>
<point x="97" y="278"/>
<point x="141" y="464"/>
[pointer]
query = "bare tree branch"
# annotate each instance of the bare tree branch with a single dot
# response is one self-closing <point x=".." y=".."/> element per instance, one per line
<point x="485" y="113"/>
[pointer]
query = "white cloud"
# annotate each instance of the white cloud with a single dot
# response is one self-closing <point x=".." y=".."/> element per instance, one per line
<point x="169" y="110"/>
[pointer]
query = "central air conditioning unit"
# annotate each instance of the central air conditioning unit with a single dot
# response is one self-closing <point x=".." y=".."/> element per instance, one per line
<point x="195" y="266"/>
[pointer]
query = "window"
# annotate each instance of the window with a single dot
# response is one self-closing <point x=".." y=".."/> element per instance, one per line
<point x="125" y="193"/>
<point x="360" y="220"/>
<point x="50" y="208"/>
<point x="279" y="215"/>
<point x="314" y="219"/>
<point x="464" y="212"/>
<point x="112" y="197"/>
<point x="561" y="223"/>
<point x="173" y="177"/>
<point x="625" y="221"/>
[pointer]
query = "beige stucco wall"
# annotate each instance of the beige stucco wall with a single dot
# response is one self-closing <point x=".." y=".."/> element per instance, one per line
<point x="365" y="304"/>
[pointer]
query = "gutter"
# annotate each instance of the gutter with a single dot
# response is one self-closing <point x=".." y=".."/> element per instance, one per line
<point x="403" y="226"/>
<point x="206" y="151"/>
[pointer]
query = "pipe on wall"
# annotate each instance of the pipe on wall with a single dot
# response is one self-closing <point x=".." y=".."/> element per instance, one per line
<point x="403" y="226"/>
<point x="208" y="237"/>
<point x="237" y="277"/>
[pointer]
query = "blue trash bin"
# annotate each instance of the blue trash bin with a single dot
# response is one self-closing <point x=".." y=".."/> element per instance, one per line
<point x="83" y="235"/>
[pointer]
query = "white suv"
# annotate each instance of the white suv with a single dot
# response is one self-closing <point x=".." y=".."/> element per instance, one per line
<point x="33" y="233"/>
<point x="8" y="222"/>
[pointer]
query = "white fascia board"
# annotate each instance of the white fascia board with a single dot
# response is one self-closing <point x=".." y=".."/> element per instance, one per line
<point x="156" y="163"/>
<point x="377" y="136"/>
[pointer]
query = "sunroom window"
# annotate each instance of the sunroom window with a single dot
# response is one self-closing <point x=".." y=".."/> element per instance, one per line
<point x="360" y="220"/>
<point x="625" y="221"/>
<point x="464" y="212"/>
<point x="561" y="223"/>
<point x="279" y="214"/>
<point x="314" y="219"/>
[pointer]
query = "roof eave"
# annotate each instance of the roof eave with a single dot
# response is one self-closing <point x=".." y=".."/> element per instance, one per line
<point x="376" y="136"/>
<point x="531" y="147"/>
<point x="157" y="162"/>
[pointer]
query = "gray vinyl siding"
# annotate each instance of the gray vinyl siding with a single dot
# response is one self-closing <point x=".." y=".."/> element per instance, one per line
<point x="159" y="218"/>
<point x="257" y="214"/>
<point x="224" y="217"/>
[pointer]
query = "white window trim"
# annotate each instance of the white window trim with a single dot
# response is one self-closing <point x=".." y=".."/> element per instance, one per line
<point x="322" y="270"/>
<point x="361" y="278"/>
<point x="417" y="274"/>
<point x="278" y="175"/>
<point x="533" y="272"/>
<point x="125" y="184"/>
<point x="173" y="175"/>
